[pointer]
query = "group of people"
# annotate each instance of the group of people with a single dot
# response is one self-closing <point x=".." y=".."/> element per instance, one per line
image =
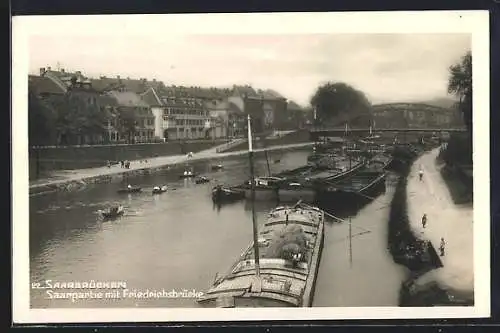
<point x="424" y="219"/>
<point x="124" y="163"/>
<point x="442" y="244"/>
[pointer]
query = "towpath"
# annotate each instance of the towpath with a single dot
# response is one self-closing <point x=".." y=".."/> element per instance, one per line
<point x="445" y="219"/>
<point x="66" y="176"/>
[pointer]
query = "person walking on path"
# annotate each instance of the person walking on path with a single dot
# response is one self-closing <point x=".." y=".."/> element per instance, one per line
<point x="424" y="220"/>
<point x="441" y="247"/>
<point x="420" y="174"/>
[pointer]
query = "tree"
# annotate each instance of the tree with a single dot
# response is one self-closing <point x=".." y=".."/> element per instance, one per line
<point x="336" y="103"/>
<point x="41" y="121"/>
<point x="460" y="85"/>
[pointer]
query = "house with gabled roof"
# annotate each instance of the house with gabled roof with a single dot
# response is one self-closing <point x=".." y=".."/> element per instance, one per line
<point x="73" y="94"/>
<point x="131" y="105"/>
<point x="178" y="114"/>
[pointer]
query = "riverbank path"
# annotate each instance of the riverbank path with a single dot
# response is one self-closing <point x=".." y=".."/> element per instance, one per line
<point x="445" y="219"/>
<point x="65" y="176"/>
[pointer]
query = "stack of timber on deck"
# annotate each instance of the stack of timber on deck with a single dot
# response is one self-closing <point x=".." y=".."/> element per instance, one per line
<point x="281" y="283"/>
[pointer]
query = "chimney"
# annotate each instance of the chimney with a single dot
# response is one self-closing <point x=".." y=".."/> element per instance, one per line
<point x="42" y="71"/>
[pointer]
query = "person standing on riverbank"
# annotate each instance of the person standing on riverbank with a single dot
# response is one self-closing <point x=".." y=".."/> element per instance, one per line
<point x="441" y="247"/>
<point x="424" y="220"/>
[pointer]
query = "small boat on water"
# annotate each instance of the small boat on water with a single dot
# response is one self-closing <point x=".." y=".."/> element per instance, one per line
<point x="187" y="174"/>
<point x="222" y="194"/>
<point x="217" y="167"/>
<point x="284" y="270"/>
<point x="159" y="189"/>
<point x="201" y="180"/>
<point x="112" y="212"/>
<point x="266" y="188"/>
<point x="130" y="189"/>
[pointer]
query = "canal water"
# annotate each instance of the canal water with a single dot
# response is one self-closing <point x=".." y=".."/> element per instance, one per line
<point x="178" y="241"/>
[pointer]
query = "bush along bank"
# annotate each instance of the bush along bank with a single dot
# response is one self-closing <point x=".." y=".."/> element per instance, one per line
<point x="406" y="248"/>
<point x="456" y="156"/>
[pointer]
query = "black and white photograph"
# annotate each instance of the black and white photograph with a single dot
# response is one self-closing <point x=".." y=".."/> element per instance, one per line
<point x="179" y="167"/>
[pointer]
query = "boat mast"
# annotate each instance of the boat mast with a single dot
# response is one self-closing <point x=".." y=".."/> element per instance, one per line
<point x="252" y="184"/>
<point x="267" y="162"/>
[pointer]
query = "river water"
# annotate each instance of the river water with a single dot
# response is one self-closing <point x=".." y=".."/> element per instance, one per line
<point x="178" y="241"/>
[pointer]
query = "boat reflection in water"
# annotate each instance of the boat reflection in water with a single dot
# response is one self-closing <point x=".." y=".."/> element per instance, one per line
<point x="283" y="273"/>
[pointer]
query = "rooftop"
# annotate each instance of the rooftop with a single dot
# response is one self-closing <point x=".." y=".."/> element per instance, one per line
<point x="44" y="85"/>
<point x="127" y="98"/>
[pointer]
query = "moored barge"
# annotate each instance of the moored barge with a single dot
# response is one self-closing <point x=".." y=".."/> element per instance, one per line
<point x="283" y="273"/>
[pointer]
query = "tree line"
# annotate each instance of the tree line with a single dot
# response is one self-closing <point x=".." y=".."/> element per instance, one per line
<point x="337" y="103"/>
<point x="69" y="119"/>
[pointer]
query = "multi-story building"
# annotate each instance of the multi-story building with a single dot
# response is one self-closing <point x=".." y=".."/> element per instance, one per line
<point x="109" y="106"/>
<point x="227" y="119"/>
<point x="137" y="122"/>
<point x="138" y="86"/>
<point x="414" y="115"/>
<point x="87" y="121"/>
<point x="178" y="115"/>
<point x="277" y="105"/>
<point x="162" y="122"/>
<point x="267" y="108"/>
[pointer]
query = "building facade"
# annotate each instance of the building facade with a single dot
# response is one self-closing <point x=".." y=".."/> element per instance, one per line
<point x="81" y="117"/>
<point x="182" y="116"/>
<point x="414" y="115"/>
<point x="136" y="120"/>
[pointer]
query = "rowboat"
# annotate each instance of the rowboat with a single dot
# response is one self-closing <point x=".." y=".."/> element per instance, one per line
<point x="112" y="212"/>
<point x="283" y="272"/>
<point x="158" y="189"/>
<point x="130" y="189"/>
<point x="201" y="180"/>
<point x="217" y="167"/>
<point x="187" y="174"/>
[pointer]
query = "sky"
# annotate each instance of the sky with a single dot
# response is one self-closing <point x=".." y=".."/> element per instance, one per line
<point x="387" y="67"/>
